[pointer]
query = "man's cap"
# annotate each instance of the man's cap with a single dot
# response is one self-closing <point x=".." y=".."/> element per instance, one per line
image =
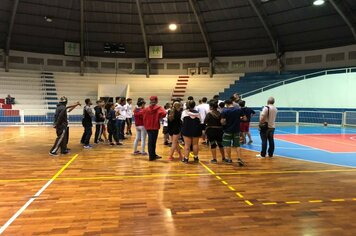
<point x="153" y="98"/>
<point x="63" y="99"/>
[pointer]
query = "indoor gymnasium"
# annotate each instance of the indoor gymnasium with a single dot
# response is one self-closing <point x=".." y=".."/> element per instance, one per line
<point x="178" y="117"/>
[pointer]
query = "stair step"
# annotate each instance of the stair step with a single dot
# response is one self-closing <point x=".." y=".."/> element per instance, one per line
<point x="49" y="85"/>
<point x="182" y="84"/>
<point x="178" y="91"/>
<point x="178" y="95"/>
<point x="183" y="76"/>
<point x="52" y="94"/>
<point x="50" y="89"/>
<point x="178" y="87"/>
<point x="182" y="80"/>
<point x="51" y="98"/>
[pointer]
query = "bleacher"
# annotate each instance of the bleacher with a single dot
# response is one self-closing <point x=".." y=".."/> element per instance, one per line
<point x="253" y="81"/>
<point x="204" y="86"/>
<point x="37" y="92"/>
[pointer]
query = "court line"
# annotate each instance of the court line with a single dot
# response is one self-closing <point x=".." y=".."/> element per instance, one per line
<point x="226" y="184"/>
<point x="19" y="136"/>
<point x="34" y="197"/>
<point x="179" y="175"/>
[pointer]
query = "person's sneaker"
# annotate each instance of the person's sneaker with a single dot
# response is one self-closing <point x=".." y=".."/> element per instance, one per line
<point x="144" y="153"/>
<point x="166" y="143"/>
<point x="112" y="144"/>
<point x="68" y="149"/>
<point x="240" y="162"/>
<point x="196" y="159"/>
<point x="259" y="156"/>
<point x="158" y="157"/>
<point x="118" y="143"/>
<point x="270" y="156"/>
<point x="88" y="146"/>
<point x="227" y="161"/>
<point x="53" y="154"/>
<point x="185" y="160"/>
<point x="204" y="143"/>
<point x="214" y="161"/>
<point x="171" y="158"/>
<point x="250" y="142"/>
<point x="137" y="153"/>
<point x="65" y="152"/>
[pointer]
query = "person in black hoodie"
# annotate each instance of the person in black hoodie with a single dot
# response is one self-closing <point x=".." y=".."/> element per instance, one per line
<point x="87" y="123"/>
<point x="61" y="126"/>
<point x="111" y="116"/>
<point x="99" y="120"/>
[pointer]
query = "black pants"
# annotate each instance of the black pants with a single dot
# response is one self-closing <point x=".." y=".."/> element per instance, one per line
<point x="122" y="129"/>
<point x="112" y="132"/>
<point x="61" y="140"/>
<point x="98" y="132"/>
<point x="86" y="135"/>
<point x="267" y="136"/>
<point x="152" y="140"/>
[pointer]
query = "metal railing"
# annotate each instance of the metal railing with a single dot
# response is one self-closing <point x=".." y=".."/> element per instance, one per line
<point x="299" y="78"/>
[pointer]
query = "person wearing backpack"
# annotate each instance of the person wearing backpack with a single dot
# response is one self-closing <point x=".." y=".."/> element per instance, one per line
<point x="267" y="126"/>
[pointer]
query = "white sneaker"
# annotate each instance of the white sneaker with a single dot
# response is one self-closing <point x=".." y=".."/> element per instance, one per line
<point x="259" y="156"/>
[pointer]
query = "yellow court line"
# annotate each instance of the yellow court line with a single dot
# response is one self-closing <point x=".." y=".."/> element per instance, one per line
<point x="248" y="203"/>
<point x="285" y="172"/>
<point x="64" y="167"/>
<point x="269" y="203"/>
<point x="293" y="202"/>
<point x="239" y="195"/>
<point x="106" y="177"/>
<point x="173" y="175"/>
<point x="207" y="168"/>
<point x="232" y="188"/>
<point x="337" y="200"/>
<point x="35" y="196"/>
<point x="315" y="201"/>
<point x="224" y="182"/>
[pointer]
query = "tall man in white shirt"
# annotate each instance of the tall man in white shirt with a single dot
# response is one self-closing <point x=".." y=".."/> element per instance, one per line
<point x="203" y="110"/>
<point x="268" y="114"/>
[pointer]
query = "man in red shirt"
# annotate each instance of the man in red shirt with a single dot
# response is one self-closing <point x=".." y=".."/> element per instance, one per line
<point x="151" y="121"/>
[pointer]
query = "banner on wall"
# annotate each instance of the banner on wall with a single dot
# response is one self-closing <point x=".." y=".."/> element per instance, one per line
<point x="71" y="49"/>
<point x="155" y="52"/>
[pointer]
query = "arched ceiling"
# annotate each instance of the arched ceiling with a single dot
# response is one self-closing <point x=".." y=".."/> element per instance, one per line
<point x="232" y="27"/>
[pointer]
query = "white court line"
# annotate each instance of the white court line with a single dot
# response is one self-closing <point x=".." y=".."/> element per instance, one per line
<point x="19" y="212"/>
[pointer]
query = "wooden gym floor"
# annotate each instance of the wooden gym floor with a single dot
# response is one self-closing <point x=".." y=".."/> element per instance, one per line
<point x="107" y="191"/>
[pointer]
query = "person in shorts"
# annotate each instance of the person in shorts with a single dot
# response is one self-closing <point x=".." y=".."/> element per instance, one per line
<point x="214" y="130"/>
<point x="174" y="129"/>
<point x="245" y="124"/>
<point x="231" y="118"/>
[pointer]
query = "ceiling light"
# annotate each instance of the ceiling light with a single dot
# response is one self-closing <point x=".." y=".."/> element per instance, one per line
<point x="172" y="27"/>
<point x="48" y="19"/>
<point x="318" y="2"/>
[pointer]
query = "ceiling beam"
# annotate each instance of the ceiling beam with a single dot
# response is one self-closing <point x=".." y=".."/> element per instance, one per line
<point x="144" y="36"/>
<point x="344" y="17"/>
<point x="9" y="33"/>
<point x="196" y="11"/>
<point x="82" y="37"/>
<point x="274" y="40"/>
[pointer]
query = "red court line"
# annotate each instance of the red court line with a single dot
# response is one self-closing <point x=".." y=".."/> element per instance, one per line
<point x="326" y="142"/>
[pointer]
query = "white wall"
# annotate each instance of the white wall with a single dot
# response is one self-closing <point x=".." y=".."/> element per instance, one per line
<point x="328" y="91"/>
<point x="328" y="58"/>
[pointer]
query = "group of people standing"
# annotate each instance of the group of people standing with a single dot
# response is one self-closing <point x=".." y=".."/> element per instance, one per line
<point x="223" y="124"/>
